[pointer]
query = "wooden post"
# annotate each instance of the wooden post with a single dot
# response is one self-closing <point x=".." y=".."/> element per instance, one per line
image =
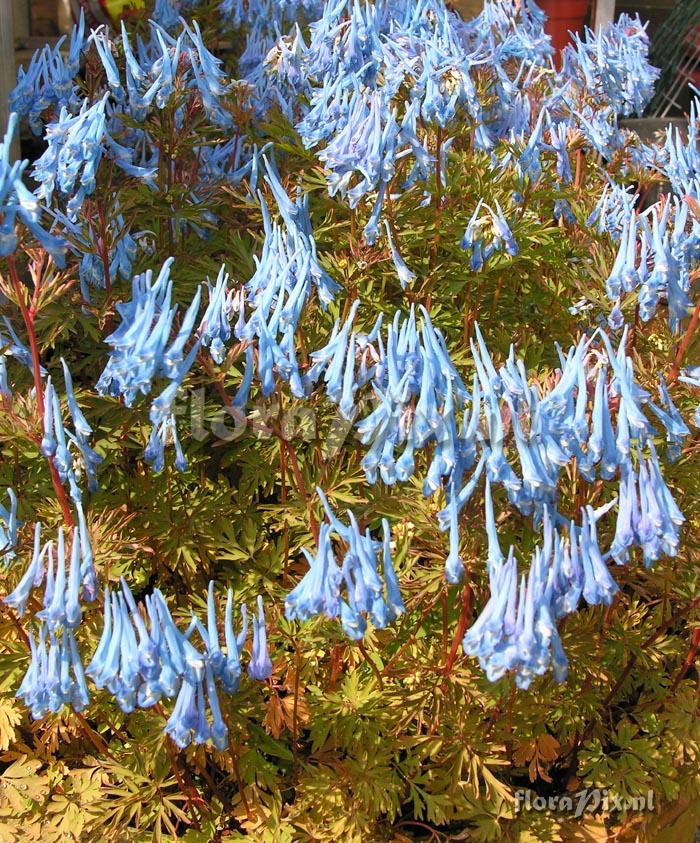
<point x="603" y="13"/>
<point x="20" y="18"/>
<point x="8" y="71"/>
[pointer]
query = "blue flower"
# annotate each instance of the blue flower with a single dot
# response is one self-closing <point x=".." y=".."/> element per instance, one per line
<point x="215" y="328"/>
<point x="454" y="567"/>
<point x="56" y="678"/>
<point x="32" y="577"/>
<point x="8" y="529"/>
<point x="260" y="666"/>
<point x="321" y="589"/>
<point x="231" y="668"/>
<point x="406" y="277"/>
<point x="17" y="201"/>
<point x="50" y="79"/>
<point x="612" y="65"/>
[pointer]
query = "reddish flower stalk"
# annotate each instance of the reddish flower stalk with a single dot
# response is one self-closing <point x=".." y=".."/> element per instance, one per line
<point x="684" y="343"/>
<point x="28" y="318"/>
<point x="462" y="624"/>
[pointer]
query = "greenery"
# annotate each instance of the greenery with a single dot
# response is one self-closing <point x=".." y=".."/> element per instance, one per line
<point x="401" y="736"/>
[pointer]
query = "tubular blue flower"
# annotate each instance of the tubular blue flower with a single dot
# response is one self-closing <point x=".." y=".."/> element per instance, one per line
<point x="353" y="623"/>
<point x="321" y="589"/>
<point x="406" y="277"/>
<point x="54" y="611"/>
<point x="231" y="669"/>
<point x="8" y="529"/>
<point x="32" y="577"/>
<point x="215" y="329"/>
<point x="454" y="567"/>
<point x="558" y="144"/>
<point x="88" y="574"/>
<point x="601" y="443"/>
<point x="502" y="231"/>
<point x="17" y="201"/>
<point x="612" y="64"/>
<point x="49" y="81"/>
<point x="260" y="666"/>
<point x="394" y="600"/>
<point x="676" y="428"/>
<point x="219" y="731"/>
<point x="73" y="611"/>
<point x="80" y="425"/>
<point x="101" y="41"/>
<point x="56" y="678"/>
<point x="183" y="719"/>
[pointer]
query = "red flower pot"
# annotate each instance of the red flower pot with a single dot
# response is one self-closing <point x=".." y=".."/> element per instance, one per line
<point x="563" y="17"/>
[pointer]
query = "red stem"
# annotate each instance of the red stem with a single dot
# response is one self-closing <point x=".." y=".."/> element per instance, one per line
<point x="684" y="343"/>
<point x="689" y="659"/>
<point x="38" y="386"/>
<point x="104" y="252"/>
<point x="464" y="617"/>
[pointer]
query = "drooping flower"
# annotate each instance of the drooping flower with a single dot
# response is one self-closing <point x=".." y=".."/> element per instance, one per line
<point x="17" y="201"/>
<point x="259" y="666"/>
<point x="321" y="590"/>
<point x="55" y="677"/>
<point x="49" y="82"/>
<point x="8" y="529"/>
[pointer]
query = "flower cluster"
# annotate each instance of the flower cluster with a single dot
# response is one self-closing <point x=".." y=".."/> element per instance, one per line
<point x="142" y="657"/>
<point x="286" y="274"/>
<point x="678" y="159"/>
<point x="17" y="201"/>
<point x="612" y="63"/>
<point x="63" y="586"/>
<point x="648" y="516"/>
<point x="76" y="144"/>
<point x="516" y="631"/>
<point x="155" y="71"/>
<point x="416" y="386"/>
<point x="56" y="439"/>
<point x="85" y="242"/>
<point x="55" y="676"/>
<point x="48" y="83"/>
<point x="501" y="235"/>
<point x="654" y="260"/>
<point x="320" y="590"/>
<point x="142" y="351"/>
<point x="613" y="209"/>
